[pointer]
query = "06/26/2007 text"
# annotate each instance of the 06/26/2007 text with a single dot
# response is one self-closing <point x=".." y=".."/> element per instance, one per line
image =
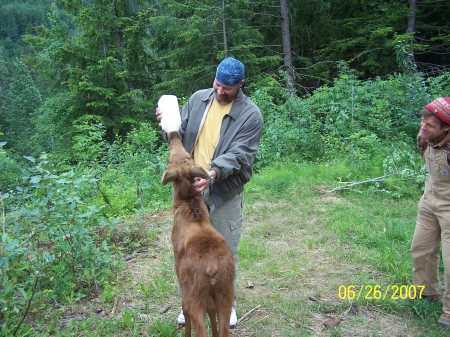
<point x="378" y="292"/>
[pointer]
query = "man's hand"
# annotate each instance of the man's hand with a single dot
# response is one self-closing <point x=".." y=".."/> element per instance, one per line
<point x="158" y="114"/>
<point x="201" y="184"/>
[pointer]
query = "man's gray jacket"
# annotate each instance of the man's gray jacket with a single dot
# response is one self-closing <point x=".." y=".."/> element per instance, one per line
<point x="238" y="143"/>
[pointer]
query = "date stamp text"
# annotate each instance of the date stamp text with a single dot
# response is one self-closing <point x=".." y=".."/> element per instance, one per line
<point x="378" y="292"/>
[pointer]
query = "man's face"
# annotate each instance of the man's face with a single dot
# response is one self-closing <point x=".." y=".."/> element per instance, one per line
<point x="225" y="94"/>
<point x="431" y="129"/>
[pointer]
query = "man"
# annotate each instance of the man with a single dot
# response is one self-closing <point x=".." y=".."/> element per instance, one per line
<point x="433" y="220"/>
<point x="221" y="128"/>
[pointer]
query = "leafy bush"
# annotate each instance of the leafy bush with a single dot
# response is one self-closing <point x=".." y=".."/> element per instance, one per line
<point x="50" y="248"/>
<point x="289" y="132"/>
<point x="10" y="170"/>
<point x="439" y="85"/>
<point x="128" y="172"/>
<point x="89" y="144"/>
<point x="352" y="118"/>
<point x="406" y="170"/>
<point x="132" y="179"/>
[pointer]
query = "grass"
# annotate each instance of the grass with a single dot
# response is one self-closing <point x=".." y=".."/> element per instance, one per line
<point x="300" y="244"/>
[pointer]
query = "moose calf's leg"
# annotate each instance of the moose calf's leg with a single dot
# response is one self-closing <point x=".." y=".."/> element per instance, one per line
<point x="187" y="326"/>
<point x="198" y="324"/>
<point x="213" y="319"/>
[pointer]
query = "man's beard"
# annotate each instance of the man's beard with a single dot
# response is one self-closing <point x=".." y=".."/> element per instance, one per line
<point x="223" y="99"/>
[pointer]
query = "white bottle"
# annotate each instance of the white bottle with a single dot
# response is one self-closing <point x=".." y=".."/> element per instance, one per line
<point x="170" y="113"/>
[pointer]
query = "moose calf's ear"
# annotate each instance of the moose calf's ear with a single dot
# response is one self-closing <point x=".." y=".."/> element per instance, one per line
<point x="168" y="176"/>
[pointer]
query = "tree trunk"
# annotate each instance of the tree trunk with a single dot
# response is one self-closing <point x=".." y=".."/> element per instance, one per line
<point x="412" y="17"/>
<point x="287" y="51"/>
<point x="224" y="30"/>
<point x="411" y="30"/>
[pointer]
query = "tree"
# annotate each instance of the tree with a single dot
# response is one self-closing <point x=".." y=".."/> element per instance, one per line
<point x="431" y="39"/>
<point x="101" y="61"/>
<point x="287" y="50"/>
<point x="224" y="30"/>
<point x="4" y="84"/>
<point x="23" y="99"/>
<point x="358" y="32"/>
<point x="412" y="18"/>
<point x="19" y="17"/>
<point x="192" y="36"/>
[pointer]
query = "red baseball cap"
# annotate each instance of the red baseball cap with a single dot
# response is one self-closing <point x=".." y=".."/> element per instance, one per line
<point x="441" y="108"/>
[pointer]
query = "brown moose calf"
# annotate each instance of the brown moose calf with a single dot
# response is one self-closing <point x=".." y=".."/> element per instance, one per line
<point x="204" y="264"/>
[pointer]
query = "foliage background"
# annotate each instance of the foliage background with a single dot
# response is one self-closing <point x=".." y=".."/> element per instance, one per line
<point x="80" y="149"/>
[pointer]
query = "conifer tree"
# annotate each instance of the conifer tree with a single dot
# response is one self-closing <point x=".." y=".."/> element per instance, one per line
<point x="191" y="38"/>
<point x="23" y="99"/>
<point x="4" y="84"/>
<point x="101" y="61"/>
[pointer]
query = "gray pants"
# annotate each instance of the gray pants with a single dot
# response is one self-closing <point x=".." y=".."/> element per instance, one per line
<point x="227" y="220"/>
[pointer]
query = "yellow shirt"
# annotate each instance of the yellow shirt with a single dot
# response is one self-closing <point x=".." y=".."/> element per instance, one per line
<point x="209" y="134"/>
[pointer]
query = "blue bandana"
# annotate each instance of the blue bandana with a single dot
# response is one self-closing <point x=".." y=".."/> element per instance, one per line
<point x="230" y="71"/>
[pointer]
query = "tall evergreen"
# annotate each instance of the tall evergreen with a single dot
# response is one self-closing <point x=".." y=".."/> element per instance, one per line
<point x="432" y="36"/>
<point x="19" y="17"/>
<point x="190" y="41"/>
<point x="23" y="99"/>
<point x="108" y="61"/>
<point x="100" y="61"/>
<point x="4" y="84"/>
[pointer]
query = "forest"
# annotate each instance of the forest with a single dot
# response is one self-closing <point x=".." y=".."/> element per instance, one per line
<point x="81" y="150"/>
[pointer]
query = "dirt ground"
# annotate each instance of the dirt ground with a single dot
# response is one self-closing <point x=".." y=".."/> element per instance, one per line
<point x="304" y="303"/>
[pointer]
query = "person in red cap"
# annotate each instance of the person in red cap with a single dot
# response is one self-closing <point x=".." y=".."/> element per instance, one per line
<point x="433" y="219"/>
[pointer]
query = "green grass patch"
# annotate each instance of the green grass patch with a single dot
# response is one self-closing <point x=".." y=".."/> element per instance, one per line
<point x="300" y="243"/>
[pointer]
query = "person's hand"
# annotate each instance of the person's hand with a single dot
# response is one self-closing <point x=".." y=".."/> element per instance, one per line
<point x="200" y="184"/>
<point x="158" y="114"/>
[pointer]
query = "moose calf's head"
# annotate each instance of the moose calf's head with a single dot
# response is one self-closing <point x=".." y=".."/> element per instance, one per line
<point x="182" y="170"/>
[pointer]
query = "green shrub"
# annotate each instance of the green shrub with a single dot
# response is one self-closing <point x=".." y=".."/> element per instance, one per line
<point x="132" y="179"/>
<point x="406" y="170"/>
<point x="51" y="248"/>
<point x="89" y="145"/>
<point x="128" y="171"/>
<point x="353" y="119"/>
<point x="10" y="170"/>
